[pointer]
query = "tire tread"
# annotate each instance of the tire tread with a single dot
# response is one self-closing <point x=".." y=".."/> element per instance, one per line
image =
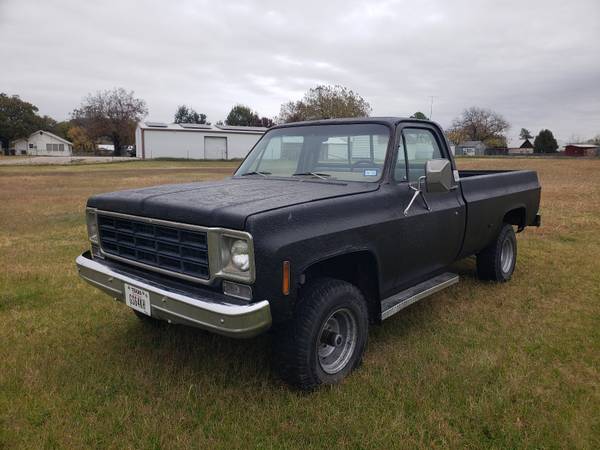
<point x="292" y="340"/>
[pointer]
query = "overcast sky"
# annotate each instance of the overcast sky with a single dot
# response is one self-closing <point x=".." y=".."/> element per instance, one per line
<point x="537" y="62"/>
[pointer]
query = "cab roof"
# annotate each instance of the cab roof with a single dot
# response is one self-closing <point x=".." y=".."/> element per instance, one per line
<point x="390" y="121"/>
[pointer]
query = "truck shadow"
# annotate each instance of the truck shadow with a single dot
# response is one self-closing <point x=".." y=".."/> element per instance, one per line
<point x="178" y="352"/>
<point x="172" y="353"/>
<point x="418" y="315"/>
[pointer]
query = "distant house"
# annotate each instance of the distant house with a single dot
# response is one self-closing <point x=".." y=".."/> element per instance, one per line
<point x="41" y="143"/>
<point x="526" y="144"/>
<point x="582" y="150"/>
<point x="470" y="148"/>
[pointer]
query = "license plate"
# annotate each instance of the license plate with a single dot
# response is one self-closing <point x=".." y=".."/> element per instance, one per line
<point x="137" y="299"/>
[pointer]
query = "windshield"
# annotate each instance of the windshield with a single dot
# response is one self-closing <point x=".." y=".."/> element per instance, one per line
<point x="350" y="152"/>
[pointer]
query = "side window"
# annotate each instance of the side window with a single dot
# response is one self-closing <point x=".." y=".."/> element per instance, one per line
<point x="368" y="148"/>
<point x="421" y="146"/>
<point x="400" y="173"/>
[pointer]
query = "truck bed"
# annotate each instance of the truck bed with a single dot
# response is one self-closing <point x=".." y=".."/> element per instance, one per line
<point x="491" y="195"/>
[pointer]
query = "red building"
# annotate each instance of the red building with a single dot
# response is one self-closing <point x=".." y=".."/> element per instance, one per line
<point x="581" y="150"/>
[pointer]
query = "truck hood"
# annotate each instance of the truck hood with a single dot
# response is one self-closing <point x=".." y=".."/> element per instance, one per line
<point x="227" y="203"/>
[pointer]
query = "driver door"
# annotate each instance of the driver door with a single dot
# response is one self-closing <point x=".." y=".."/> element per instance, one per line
<point x="428" y="240"/>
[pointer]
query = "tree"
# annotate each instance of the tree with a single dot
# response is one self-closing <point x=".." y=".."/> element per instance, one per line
<point x="479" y="124"/>
<point x="62" y="129"/>
<point x="113" y="114"/>
<point x="80" y="139"/>
<point x="325" y="102"/>
<point x="419" y="115"/>
<point x="594" y="140"/>
<point x="525" y="134"/>
<point x="243" y="116"/>
<point x="265" y="122"/>
<point x="545" y="142"/>
<point x="18" y="118"/>
<point x="188" y="115"/>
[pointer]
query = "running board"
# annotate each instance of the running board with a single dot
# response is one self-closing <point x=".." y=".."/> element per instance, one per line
<point x="401" y="300"/>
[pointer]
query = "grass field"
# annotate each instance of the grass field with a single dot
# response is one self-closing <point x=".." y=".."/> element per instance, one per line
<point x="479" y="365"/>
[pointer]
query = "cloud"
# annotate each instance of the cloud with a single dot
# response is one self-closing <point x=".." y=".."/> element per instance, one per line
<point x="535" y="62"/>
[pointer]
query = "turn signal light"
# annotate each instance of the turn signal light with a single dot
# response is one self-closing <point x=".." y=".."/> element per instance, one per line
<point x="285" y="283"/>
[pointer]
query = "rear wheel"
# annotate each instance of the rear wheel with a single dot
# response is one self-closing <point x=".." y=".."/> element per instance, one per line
<point x="326" y="340"/>
<point x="497" y="261"/>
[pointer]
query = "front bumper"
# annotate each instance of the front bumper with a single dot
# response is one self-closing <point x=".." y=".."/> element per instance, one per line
<point x="240" y="320"/>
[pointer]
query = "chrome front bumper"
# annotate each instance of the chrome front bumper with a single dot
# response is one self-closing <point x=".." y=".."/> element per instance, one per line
<point x="175" y="306"/>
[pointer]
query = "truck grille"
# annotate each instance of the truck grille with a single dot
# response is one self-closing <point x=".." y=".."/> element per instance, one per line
<point x="172" y="249"/>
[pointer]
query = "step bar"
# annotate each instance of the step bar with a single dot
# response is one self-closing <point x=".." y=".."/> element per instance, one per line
<point x="401" y="300"/>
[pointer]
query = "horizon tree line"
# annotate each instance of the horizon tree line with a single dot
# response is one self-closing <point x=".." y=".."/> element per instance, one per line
<point x="112" y="115"/>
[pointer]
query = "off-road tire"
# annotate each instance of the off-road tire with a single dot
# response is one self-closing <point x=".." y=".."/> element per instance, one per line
<point x="491" y="264"/>
<point x="295" y="345"/>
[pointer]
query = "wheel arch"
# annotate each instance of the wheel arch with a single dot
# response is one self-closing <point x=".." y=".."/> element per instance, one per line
<point x="359" y="267"/>
<point x="516" y="216"/>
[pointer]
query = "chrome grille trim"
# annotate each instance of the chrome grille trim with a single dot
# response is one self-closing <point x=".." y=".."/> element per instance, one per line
<point x="167" y="248"/>
<point x="213" y="237"/>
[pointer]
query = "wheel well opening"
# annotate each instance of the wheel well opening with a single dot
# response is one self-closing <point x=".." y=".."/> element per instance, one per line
<point x="359" y="269"/>
<point x="516" y="217"/>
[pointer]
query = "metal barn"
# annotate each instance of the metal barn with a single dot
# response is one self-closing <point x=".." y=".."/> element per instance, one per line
<point x="194" y="141"/>
<point x="582" y="150"/>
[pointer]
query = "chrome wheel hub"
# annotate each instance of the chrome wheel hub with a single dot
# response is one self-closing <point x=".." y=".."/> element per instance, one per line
<point x="507" y="255"/>
<point x="337" y="341"/>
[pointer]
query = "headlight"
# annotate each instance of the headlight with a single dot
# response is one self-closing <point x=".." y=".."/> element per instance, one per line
<point x="240" y="258"/>
<point x="92" y="225"/>
<point x="237" y="258"/>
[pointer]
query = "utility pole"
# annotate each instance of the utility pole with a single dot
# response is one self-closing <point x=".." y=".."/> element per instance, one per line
<point x="431" y="97"/>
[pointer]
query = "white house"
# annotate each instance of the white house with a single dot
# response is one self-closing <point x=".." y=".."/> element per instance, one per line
<point x="194" y="141"/>
<point x="42" y="143"/>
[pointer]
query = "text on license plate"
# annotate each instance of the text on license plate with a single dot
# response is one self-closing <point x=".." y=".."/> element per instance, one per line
<point x="137" y="299"/>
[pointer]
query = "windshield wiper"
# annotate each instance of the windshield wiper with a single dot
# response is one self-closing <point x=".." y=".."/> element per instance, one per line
<point x="263" y="174"/>
<point x="322" y="176"/>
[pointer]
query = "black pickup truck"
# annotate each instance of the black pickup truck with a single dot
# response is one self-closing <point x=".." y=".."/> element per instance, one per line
<point x="325" y="228"/>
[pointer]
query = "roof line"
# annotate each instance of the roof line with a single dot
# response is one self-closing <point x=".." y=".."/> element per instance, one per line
<point x="53" y="135"/>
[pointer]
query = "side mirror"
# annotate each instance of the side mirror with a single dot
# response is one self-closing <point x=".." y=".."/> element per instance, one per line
<point x="438" y="175"/>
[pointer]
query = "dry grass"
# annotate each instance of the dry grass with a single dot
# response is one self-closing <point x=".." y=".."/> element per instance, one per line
<point x="479" y="365"/>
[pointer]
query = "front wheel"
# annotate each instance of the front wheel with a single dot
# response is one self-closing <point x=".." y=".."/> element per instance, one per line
<point x="327" y="338"/>
<point x="497" y="261"/>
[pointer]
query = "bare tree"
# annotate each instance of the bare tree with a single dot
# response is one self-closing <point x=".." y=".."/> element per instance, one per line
<point x="325" y="102"/>
<point x="113" y="114"/>
<point x="595" y="140"/>
<point x="479" y="124"/>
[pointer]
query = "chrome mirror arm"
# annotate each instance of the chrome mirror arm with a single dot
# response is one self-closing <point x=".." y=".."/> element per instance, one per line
<point x="418" y="192"/>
